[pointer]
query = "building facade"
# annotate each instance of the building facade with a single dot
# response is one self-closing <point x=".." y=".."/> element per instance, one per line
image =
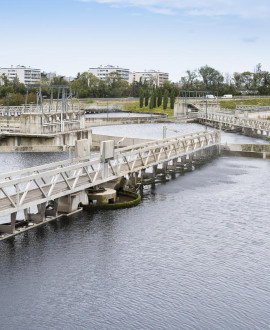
<point x="157" y="78"/>
<point x="102" y="72"/>
<point x="26" y="75"/>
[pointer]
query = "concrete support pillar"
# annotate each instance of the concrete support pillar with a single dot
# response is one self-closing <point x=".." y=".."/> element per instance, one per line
<point x="52" y="212"/>
<point x="36" y="217"/>
<point x="155" y="170"/>
<point x="142" y="175"/>
<point x="180" y="108"/>
<point x="164" y="166"/>
<point x="133" y="180"/>
<point x="70" y="203"/>
<point x="9" y="229"/>
<point x="172" y="167"/>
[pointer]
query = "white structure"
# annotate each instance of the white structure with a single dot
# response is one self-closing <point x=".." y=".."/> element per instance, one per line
<point x="25" y="75"/>
<point x="103" y="71"/>
<point x="156" y="77"/>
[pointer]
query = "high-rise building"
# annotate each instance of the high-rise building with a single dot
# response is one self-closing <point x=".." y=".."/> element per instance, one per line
<point x="26" y="75"/>
<point x="102" y="72"/>
<point x="156" y="77"/>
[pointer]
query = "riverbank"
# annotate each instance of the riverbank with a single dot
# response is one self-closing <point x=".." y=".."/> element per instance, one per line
<point x="232" y="104"/>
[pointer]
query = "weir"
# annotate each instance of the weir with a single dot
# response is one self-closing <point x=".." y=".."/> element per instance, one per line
<point x="61" y="187"/>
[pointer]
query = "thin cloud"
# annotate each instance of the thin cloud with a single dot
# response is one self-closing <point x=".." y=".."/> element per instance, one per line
<point x="250" y="39"/>
<point x="240" y="8"/>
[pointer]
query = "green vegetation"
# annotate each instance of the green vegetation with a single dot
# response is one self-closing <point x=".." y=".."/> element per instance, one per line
<point x="165" y="100"/>
<point x="135" y="107"/>
<point x="146" y="98"/>
<point x="141" y="97"/>
<point x="172" y="99"/>
<point x="231" y="104"/>
<point x="136" y="199"/>
<point x="88" y="86"/>
<point x="154" y="94"/>
<point x="159" y="101"/>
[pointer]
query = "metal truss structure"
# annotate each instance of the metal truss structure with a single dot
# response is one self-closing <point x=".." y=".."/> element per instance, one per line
<point x="33" y="186"/>
<point x="233" y="121"/>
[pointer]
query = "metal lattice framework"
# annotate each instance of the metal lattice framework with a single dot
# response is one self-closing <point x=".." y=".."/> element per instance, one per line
<point x="231" y="120"/>
<point x="29" y="187"/>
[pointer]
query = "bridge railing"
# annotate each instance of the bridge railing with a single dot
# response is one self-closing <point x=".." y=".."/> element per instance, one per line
<point x="258" y="124"/>
<point x="33" y="108"/>
<point x="30" y="187"/>
<point x="253" y="108"/>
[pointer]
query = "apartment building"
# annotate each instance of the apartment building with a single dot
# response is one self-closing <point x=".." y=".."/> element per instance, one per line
<point x="156" y="77"/>
<point x="102" y="72"/>
<point x="26" y="75"/>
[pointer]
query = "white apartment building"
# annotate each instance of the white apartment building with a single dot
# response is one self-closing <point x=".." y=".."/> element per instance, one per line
<point x="102" y="72"/>
<point x="156" y="77"/>
<point x="26" y="75"/>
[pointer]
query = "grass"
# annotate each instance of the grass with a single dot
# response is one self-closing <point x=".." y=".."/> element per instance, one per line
<point x="135" y="107"/>
<point x="231" y="104"/>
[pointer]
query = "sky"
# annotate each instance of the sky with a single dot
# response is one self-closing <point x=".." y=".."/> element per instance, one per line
<point x="69" y="36"/>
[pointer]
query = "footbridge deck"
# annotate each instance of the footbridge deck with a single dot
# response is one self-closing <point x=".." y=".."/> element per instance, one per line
<point x="38" y="185"/>
<point x="259" y="127"/>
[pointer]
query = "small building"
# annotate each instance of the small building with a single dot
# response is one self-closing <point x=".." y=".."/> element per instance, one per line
<point x="26" y="75"/>
<point x="102" y="72"/>
<point x="156" y="77"/>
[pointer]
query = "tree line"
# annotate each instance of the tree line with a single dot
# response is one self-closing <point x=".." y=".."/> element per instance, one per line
<point x="209" y="79"/>
<point x="86" y="85"/>
<point x="155" y="97"/>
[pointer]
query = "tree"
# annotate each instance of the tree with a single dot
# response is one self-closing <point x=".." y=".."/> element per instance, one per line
<point x="154" y="95"/>
<point x="159" y="101"/>
<point x="141" y="98"/>
<point x="146" y="100"/>
<point x="151" y="106"/>
<point x="189" y="81"/>
<point x="165" y="99"/>
<point x="211" y="77"/>
<point x="59" y="80"/>
<point x="172" y="99"/>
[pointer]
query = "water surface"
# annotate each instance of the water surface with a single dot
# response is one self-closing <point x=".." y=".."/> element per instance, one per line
<point x="195" y="254"/>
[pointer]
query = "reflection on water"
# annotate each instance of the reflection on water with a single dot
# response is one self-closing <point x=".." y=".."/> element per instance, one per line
<point x="195" y="254"/>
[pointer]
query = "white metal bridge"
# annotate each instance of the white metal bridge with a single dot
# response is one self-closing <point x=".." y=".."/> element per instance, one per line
<point x="231" y="121"/>
<point x="38" y="185"/>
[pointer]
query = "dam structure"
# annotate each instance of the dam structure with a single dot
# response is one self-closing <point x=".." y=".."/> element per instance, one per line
<point x="63" y="185"/>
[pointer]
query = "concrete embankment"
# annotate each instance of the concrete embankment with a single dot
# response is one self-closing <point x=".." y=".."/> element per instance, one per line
<point x="118" y="141"/>
<point x="91" y="121"/>
<point x="246" y="150"/>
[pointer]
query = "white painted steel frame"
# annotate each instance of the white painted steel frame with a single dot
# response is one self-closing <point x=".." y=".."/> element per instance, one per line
<point x="29" y="187"/>
<point x="256" y="124"/>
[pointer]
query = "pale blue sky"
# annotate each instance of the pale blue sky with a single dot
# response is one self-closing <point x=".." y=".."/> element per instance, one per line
<point x="69" y="36"/>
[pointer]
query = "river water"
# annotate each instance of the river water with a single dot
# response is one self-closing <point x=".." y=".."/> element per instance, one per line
<point x="193" y="255"/>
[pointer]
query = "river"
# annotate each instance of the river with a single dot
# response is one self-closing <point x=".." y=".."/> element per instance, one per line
<point x="195" y="254"/>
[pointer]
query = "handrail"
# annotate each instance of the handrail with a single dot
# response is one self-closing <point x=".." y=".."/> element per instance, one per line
<point x="32" y="186"/>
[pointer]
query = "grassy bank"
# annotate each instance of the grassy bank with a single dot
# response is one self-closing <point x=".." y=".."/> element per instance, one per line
<point x="135" y="107"/>
<point x="231" y="104"/>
